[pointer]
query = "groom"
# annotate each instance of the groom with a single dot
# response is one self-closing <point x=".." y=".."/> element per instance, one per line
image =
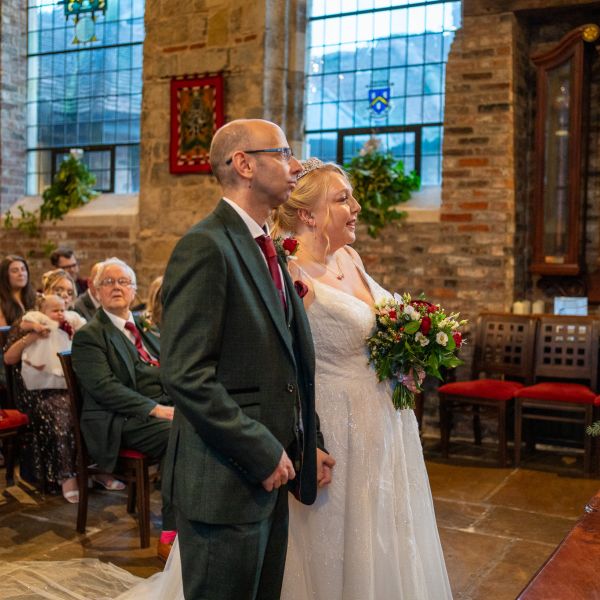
<point x="237" y="359"/>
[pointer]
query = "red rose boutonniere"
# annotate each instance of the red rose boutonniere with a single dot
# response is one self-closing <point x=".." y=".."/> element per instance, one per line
<point x="287" y="247"/>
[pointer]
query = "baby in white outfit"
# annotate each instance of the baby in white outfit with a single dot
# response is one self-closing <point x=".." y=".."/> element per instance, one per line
<point x="40" y="365"/>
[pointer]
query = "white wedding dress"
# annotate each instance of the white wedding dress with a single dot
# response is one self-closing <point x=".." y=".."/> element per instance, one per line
<point x="371" y="534"/>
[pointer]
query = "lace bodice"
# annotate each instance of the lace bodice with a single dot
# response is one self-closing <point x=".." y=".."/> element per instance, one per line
<point x="340" y="324"/>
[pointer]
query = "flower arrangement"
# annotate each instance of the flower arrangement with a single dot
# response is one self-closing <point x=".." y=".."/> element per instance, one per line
<point x="413" y="338"/>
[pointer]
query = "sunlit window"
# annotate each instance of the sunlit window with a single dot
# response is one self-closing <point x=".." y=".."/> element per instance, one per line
<point x="378" y="66"/>
<point x="85" y="95"/>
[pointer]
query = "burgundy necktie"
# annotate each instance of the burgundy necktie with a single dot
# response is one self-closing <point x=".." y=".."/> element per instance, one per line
<point x="67" y="328"/>
<point x="268" y="249"/>
<point x="138" y="344"/>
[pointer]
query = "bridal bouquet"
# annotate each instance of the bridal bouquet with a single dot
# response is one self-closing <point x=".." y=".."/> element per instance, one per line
<point x="413" y="338"/>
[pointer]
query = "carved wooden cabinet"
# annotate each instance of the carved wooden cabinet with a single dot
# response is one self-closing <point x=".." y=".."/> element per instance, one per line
<point x="560" y="153"/>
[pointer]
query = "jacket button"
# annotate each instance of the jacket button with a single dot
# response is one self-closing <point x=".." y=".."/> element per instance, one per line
<point x="291" y="388"/>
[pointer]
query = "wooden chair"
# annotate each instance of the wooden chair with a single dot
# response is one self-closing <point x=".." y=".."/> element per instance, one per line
<point x="502" y="364"/>
<point x="565" y="376"/>
<point x="12" y="421"/>
<point x="134" y="466"/>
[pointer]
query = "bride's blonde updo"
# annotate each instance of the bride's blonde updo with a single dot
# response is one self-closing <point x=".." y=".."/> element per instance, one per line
<point x="312" y="186"/>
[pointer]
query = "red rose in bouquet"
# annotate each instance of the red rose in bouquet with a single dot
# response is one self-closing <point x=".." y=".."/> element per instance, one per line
<point x="412" y="338"/>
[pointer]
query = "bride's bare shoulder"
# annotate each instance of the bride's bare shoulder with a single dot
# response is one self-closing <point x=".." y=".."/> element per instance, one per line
<point x="354" y="255"/>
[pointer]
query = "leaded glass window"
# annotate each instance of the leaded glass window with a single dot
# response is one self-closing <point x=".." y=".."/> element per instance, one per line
<point x="85" y="95"/>
<point x="378" y="66"/>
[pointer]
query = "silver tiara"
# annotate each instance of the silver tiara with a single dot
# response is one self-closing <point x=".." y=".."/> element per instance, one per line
<point x="308" y="165"/>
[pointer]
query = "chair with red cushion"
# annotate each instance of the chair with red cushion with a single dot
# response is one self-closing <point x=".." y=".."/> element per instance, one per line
<point x="502" y="364"/>
<point x="12" y="421"/>
<point x="565" y="377"/>
<point x="134" y="466"/>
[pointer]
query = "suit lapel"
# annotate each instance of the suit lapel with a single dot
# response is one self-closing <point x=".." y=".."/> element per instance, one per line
<point x="290" y="290"/>
<point x="149" y="340"/>
<point x="250" y="255"/>
<point x="120" y="343"/>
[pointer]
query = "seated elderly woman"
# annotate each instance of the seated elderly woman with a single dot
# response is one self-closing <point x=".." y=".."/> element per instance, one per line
<point x="41" y="389"/>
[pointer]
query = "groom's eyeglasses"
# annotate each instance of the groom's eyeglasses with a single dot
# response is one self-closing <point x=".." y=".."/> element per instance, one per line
<point x="286" y="153"/>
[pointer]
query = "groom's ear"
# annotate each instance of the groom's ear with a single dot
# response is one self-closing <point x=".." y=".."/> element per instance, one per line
<point x="242" y="165"/>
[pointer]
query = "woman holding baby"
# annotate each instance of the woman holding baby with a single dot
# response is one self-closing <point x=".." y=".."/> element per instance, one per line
<point x="32" y="346"/>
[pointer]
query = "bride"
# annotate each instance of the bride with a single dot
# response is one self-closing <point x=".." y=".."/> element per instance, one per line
<point x="371" y="534"/>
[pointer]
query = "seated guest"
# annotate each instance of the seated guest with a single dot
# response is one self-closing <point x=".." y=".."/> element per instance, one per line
<point x="87" y="304"/>
<point x="49" y="458"/>
<point x="116" y="363"/>
<point x="61" y="283"/>
<point x="64" y="258"/>
<point x="17" y="293"/>
<point x="153" y="313"/>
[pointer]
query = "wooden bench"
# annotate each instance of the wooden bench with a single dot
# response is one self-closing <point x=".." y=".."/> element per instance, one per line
<point x="571" y="572"/>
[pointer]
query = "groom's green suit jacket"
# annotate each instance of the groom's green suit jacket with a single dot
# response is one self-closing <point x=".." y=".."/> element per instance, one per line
<point x="236" y="367"/>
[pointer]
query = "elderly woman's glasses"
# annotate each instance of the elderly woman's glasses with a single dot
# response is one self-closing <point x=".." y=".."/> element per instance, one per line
<point x="286" y="153"/>
<point x="122" y="281"/>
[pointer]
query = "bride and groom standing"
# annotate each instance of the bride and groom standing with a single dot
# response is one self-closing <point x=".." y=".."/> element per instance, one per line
<point x="237" y="359"/>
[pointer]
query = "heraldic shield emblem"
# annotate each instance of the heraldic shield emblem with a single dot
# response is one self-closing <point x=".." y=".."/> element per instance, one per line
<point x="379" y="100"/>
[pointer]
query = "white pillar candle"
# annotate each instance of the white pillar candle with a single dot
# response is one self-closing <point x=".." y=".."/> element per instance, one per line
<point x="538" y="307"/>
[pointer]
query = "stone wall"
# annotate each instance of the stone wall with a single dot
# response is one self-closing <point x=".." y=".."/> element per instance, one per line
<point x="13" y="94"/>
<point x="259" y="48"/>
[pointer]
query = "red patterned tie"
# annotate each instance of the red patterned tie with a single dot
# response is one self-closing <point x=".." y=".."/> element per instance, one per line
<point x="268" y="249"/>
<point x="138" y="344"/>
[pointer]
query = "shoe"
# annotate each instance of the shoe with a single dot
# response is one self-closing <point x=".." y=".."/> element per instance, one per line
<point x="163" y="550"/>
<point x="111" y="484"/>
<point x="72" y="496"/>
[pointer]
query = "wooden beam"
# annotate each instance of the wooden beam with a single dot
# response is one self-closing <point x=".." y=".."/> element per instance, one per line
<point x="473" y="8"/>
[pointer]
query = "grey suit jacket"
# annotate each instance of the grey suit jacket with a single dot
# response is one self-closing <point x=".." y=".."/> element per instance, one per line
<point x="85" y="307"/>
<point x="236" y="367"/>
<point x="104" y="361"/>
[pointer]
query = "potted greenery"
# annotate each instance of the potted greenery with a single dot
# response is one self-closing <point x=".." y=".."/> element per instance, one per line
<point x="380" y="184"/>
<point x="72" y="187"/>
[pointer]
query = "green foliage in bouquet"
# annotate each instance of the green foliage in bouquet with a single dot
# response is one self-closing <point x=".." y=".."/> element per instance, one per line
<point x="380" y="184"/>
<point x="413" y="338"/>
<point x="72" y="187"/>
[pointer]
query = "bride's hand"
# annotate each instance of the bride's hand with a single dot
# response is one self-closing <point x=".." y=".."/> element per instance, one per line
<point x="325" y="464"/>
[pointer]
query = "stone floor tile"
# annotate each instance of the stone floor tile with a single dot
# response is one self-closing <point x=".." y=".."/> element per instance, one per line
<point x="467" y="555"/>
<point x="524" y="525"/>
<point x="513" y="569"/>
<point x="545" y="492"/>
<point x="464" y="483"/>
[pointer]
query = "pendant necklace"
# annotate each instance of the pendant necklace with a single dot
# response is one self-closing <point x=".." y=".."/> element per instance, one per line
<point x="339" y="275"/>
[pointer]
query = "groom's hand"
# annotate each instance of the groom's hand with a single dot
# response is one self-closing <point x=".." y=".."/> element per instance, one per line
<point x="280" y="476"/>
<point x="325" y="464"/>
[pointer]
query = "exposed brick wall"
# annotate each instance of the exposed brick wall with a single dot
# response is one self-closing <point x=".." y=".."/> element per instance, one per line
<point x="478" y="193"/>
<point x="13" y="90"/>
<point x="91" y="245"/>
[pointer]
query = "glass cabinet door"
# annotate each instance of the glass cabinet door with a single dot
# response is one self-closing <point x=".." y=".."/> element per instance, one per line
<point x="557" y="220"/>
<point x="562" y="100"/>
